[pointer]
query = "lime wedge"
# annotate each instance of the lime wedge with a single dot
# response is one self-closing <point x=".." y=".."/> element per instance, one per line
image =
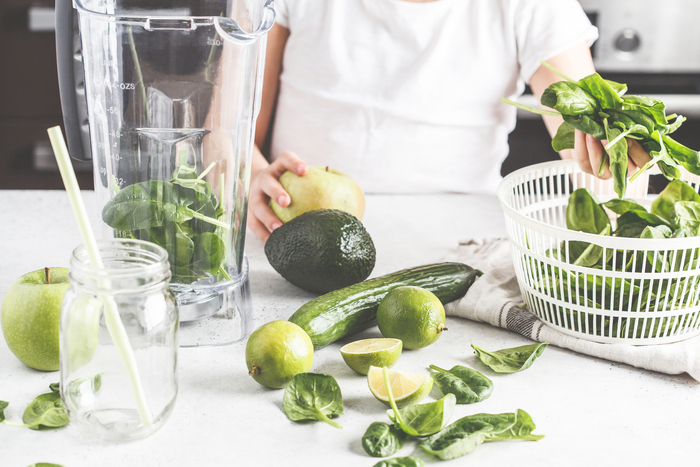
<point x="360" y="355"/>
<point x="407" y="388"/>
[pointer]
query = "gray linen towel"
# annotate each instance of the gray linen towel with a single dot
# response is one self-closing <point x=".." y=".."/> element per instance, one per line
<point x="495" y="299"/>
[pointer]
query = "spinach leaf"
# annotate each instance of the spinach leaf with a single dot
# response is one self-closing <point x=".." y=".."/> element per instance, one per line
<point x="144" y="205"/>
<point x="632" y="230"/>
<point x="655" y="108"/>
<point x="569" y="99"/>
<point x="409" y="461"/>
<point x="45" y="464"/>
<point x="617" y="157"/>
<point x="688" y="217"/>
<point x="313" y="396"/>
<point x="664" y="205"/>
<point x="209" y="251"/>
<point x="593" y="253"/>
<point x="619" y="88"/>
<point x="564" y="139"/>
<point x="621" y="206"/>
<point x="83" y="386"/>
<point x="687" y="157"/>
<point x="382" y="439"/>
<point x="422" y="419"/>
<point x="606" y="96"/>
<point x="641" y="217"/>
<point x="586" y="124"/>
<point x="464" y="435"/>
<point x="3" y="406"/>
<point x="584" y="213"/>
<point x="510" y="360"/>
<point x="468" y="385"/>
<point x="656" y="258"/>
<point x="46" y="411"/>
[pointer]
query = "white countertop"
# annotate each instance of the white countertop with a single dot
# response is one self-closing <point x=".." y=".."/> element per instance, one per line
<point x="593" y="412"/>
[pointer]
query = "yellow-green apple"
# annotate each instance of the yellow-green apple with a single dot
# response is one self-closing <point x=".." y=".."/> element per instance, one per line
<point x="30" y="315"/>
<point x="319" y="188"/>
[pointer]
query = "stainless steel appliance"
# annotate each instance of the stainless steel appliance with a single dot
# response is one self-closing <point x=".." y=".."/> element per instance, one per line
<point x="652" y="46"/>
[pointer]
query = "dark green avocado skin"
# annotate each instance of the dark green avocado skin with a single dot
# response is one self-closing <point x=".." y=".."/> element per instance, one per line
<point x="322" y="250"/>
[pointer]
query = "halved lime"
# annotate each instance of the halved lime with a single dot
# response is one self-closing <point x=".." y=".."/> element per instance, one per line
<point x="407" y="388"/>
<point x="379" y="352"/>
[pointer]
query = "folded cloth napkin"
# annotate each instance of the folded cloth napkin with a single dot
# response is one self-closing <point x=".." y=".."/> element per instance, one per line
<point x="495" y="299"/>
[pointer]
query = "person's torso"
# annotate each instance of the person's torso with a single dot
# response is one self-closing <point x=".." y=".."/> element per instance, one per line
<point x="405" y="97"/>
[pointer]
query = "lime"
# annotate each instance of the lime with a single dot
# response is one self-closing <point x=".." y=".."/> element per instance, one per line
<point x="360" y="355"/>
<point x="407" y="388"/>
<point x="276" y="352"/>
<point x="412" y="314"/>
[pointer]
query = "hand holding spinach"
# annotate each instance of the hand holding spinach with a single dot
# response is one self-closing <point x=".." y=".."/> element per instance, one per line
<point x="313" y="396"/>
<point x="468" y="385"/>
<point x="601" y="108"/>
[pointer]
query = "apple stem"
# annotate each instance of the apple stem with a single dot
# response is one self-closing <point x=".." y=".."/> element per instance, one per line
<point x="327" y="168"/>
<point x="48" y="277"/>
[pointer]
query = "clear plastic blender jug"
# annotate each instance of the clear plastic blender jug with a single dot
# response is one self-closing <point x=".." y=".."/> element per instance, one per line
<point x="173" y="90"/>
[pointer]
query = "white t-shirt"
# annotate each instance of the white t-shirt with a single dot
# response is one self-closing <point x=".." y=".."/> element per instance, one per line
<point x="405" y="97"/>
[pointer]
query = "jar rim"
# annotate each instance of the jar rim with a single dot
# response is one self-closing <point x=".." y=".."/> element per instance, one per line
<point x="145" y="258"/>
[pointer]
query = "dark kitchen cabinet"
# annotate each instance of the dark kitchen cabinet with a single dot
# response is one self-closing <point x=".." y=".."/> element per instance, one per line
<point x="29" y="99"/>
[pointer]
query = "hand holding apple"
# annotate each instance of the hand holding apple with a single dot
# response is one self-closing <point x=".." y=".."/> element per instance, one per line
<point x="319" y="188"/>
<point x="30" y="316"/>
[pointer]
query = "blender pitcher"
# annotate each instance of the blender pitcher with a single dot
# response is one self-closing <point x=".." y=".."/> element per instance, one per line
<point x="172" y="90"/>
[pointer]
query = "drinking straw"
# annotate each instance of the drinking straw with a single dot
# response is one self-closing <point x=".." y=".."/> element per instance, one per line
<point x="112" y="319"/>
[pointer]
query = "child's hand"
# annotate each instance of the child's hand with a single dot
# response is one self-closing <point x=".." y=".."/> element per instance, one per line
<point x="265" y="185"/>
<point x="588" y="154"/>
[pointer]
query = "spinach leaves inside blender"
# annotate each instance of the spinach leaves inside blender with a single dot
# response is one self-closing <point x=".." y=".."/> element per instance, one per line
<point x="183" y="215"/>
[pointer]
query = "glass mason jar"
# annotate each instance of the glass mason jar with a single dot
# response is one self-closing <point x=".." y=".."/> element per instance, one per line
<point x="119" y="341"/>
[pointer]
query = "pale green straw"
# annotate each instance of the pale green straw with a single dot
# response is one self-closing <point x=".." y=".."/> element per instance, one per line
<point x="112" y="319"/>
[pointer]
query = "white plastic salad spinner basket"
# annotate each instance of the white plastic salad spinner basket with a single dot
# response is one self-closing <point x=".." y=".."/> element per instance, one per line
<point x="603" y="304"/>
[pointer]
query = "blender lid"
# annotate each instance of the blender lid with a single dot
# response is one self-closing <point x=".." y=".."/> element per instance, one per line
<point x="179" y="18"/>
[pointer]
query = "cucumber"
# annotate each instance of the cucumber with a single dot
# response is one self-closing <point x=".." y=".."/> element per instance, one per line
<point x="354" y="308"/>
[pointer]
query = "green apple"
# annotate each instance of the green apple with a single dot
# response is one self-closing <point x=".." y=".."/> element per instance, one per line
<point x="320" y="188"/>
<point x="30" y="315"/>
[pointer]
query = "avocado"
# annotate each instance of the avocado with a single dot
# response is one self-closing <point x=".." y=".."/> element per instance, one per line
<point x="321" y="250"/>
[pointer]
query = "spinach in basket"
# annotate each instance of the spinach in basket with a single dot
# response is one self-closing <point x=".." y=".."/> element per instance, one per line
<point x="601" y="108"/>
<point x="675" y="213"/>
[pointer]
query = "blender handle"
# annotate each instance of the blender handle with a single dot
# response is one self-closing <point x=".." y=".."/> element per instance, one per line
<point x="71" y="81"/>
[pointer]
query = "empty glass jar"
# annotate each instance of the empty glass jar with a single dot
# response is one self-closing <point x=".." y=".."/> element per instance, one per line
<point x="119" y="341"/>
